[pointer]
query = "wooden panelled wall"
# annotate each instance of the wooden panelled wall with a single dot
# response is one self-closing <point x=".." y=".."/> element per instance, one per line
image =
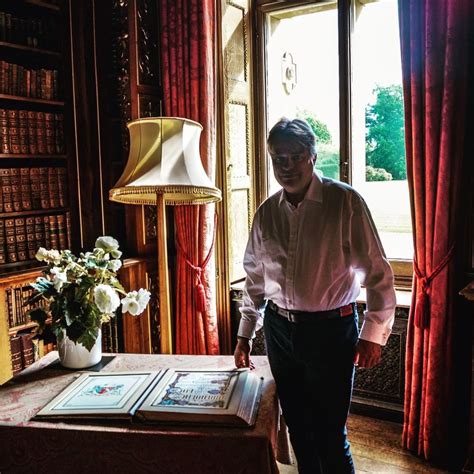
<point x="115" y="79"/>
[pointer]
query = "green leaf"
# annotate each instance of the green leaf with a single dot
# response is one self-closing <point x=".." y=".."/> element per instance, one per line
<point x="88" y="338"/>
<point x="44" y="286"/>
<point x="38" y="315"/>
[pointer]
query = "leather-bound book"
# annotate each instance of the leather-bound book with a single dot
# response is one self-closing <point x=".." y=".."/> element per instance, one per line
<point x="25" y="188"/>
<point x="27" y="350"/>
<point x="15" y="347"/>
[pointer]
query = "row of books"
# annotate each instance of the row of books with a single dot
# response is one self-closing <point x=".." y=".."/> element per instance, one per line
<point x="34" y="32"/>
<point x="31" y="132"/>
<point x="25" y="189"/>
<point x="21" y="237"/>
<point x="18" y="306"/>
<point x="25" y="350"/>
<point x="18" y="80"/>
<point x="110" y="336"/>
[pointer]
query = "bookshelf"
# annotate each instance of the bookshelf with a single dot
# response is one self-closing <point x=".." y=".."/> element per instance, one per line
<point x="35" y="163"/>
<point x="34" y="188"/>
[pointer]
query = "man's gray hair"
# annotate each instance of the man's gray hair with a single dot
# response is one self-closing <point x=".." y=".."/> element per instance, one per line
<point x="297" y="130"/>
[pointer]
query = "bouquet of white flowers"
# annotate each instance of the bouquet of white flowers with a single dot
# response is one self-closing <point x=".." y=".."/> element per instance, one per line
<point x="83" y="292"/>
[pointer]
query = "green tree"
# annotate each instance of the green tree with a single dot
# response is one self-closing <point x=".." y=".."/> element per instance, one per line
<point x="320" y="129"/>
<point x="385" y="136"/>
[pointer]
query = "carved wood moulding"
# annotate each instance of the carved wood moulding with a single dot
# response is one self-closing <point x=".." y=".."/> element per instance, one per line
<point x="148" y="53"/>
<point x="154" y="312"/>
<point x="121" y="64"/>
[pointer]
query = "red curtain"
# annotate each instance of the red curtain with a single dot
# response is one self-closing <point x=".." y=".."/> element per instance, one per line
<point x="187" y="43"/>
<point x="434" y="42"/>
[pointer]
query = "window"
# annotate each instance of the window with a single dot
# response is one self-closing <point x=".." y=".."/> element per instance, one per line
<point x="341" y="71"/>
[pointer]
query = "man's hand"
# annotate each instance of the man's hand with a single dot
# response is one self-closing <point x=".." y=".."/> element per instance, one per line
<point x="367" y="354"/>
<point x="242" y="353"/>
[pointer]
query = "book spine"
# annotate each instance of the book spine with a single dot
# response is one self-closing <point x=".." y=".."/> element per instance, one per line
<point x="33" y="81"/>
<point x="44" y="191"/>
<point x="3" y="33"/>
<point x="41" y="133"/>
<point x="20" y="316"/>
<point x="9" y="305"/>
<point x="4" y="131"/>
<point x="56" y="92"/>
<point x="62" y="187"/>
<point x="25" y="185"/>
<point x="20" y="237"/>
<point x="15" y="347"/>
<point x="68" y="229"/>
<point x="47" y="233"/>
<point x="50" y="135"/>
<point x="53" y="185"/>
<point x="16" y="188"/>
<point x="13" y="86"/>
<point x="62" y="231"/>
<point x="13" y="125"/>
<point x="12" y="255"/>
<point x="59" y="133"/>
<point x="35" y="188"/>
<point x="6" y="184"/>
<point x="3" y="66"/>
<point x="53" y="232"/>
<point x="39" y="232"/>
<point x="32" y="138"/>
<point x="26" y="350"/>
<point x="31" y="244"/>
<point x="3" y="258"/>
<point x="23" y="131"/>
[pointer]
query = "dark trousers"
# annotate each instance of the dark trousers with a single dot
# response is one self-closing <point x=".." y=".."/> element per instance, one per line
<point x="312" y="364"/>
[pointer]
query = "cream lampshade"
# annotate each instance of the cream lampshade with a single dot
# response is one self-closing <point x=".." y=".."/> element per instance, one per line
<point x="164" y="167"/>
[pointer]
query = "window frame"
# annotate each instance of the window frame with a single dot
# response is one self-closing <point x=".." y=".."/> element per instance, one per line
<point x="402" y="268"/>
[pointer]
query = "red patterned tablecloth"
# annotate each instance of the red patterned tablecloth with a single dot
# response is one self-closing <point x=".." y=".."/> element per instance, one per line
<point x="38" y="446"/>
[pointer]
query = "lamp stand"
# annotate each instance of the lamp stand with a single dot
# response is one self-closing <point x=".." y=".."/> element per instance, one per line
<point x="166" y="337"/>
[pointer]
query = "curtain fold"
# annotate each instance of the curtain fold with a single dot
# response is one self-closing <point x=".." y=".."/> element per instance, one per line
<point x="188" y="41"/>
<point x="434" y="44"/>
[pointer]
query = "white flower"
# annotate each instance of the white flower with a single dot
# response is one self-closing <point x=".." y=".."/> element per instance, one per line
<point x="135" y="302"/>
<point x="49" y="256"/>
<point x="114" y="265"/>
<point x="41" y="254"/>
<point x="59" y="278"/>
<point x="106" y="298"/>
<point x="107" y="243"/>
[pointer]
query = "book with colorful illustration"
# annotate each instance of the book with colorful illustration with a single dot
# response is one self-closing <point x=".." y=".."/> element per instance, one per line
<point x="223" y="397"/>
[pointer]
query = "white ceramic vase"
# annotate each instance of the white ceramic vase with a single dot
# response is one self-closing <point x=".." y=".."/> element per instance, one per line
<point x="76" y="356"/>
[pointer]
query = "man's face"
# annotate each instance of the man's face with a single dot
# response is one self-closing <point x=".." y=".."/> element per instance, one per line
<point x="292" y="166"/>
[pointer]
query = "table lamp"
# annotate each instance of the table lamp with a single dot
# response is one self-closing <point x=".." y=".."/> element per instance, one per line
<point x="164" y="167"/>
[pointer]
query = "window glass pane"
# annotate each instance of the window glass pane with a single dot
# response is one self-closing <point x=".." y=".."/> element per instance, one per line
<point x="302" y="79"/>
<point x="378" y="150"/>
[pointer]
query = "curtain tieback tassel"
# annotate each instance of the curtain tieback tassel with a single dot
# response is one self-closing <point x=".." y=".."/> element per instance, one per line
<point x="422" y="310"/>
<point x="199" y="290"/>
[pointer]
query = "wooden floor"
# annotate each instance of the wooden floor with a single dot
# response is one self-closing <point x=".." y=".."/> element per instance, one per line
<point x="375" y="446"/>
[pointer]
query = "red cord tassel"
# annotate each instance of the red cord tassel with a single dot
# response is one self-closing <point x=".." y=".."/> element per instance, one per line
<point x="200" y="294"/>
<point x="422" y="309"/>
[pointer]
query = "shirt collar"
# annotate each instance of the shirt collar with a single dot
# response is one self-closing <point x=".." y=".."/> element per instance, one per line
<point x="314" y="192"/>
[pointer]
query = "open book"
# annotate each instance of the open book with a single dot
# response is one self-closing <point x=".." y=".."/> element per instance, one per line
<point x="224" y="397"/>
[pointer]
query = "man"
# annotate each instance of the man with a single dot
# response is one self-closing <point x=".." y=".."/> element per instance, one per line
<point x="312" y="245"/>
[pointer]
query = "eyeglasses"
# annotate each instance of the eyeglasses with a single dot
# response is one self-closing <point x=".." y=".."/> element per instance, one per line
<point x="281" y="160"/>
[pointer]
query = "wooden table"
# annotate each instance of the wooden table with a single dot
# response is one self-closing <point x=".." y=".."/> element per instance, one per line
<point x="38" y="446"/>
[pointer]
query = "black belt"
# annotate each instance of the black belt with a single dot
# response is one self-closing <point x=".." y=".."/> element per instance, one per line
<point x="306" y="316"/>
